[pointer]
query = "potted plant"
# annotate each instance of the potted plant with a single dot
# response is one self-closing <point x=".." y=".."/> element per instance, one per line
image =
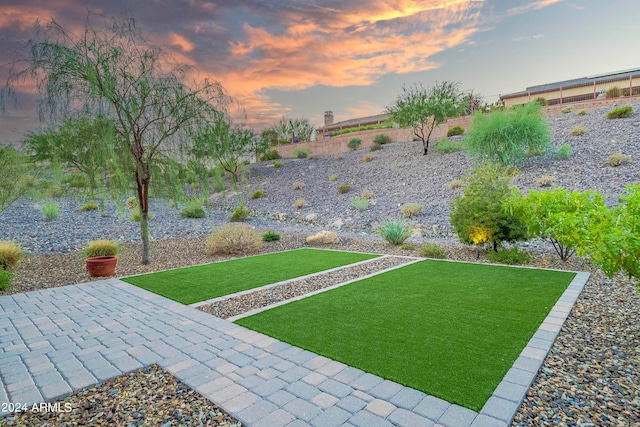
<point x="101" y="257"/>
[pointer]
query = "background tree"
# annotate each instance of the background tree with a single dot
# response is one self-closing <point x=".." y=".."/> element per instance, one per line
<point x="114" y="72"/>
<point x="300" y="127"/>
<point x="423" y="109"/>
<point x="507" y="136"/>
<point x="15" y="181"/>
<point x="478" y="216"/>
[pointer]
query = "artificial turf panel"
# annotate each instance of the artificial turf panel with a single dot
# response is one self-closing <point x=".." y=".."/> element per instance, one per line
<point x="451" y="330"/>
<point x="199" y="283"/>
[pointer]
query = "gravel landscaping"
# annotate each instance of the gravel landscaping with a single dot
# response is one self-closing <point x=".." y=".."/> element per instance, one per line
<point x="590" y="376"/>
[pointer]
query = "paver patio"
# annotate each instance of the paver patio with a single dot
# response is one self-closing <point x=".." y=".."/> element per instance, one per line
<point x="59" y="340"/>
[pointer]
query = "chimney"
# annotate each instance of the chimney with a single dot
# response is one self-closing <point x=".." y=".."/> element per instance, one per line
<point x="328" y="118"/>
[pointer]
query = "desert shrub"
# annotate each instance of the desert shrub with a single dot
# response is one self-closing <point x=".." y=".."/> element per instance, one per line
<point x="50" y="211"/>
<point x="233" y="239"/>
<point x="613" y="92"/>
<point x="270" y="136"/>
<point x="10" y="254"/>
<point x="102" y="248"/>
<point x="620" y="113"/>
<point x="338" y="156"/>
<point x="582" y="112"/>
<point x="240" y="213"/>
<point x="297" y="185"/>
<point x="512" y="256"/>
<point x="368" y="157"/>
<point x="360" y="203"/>
<point x="618" y="159"/>
<point x="455" y="184"/>
<point x="5" y="279"/>
<point x="566" y="110"/>
<point x="506" y="136"/>
<point x="564" y="152"/>
<point x="258" y="194"/>
<point x="409" y="210"/>
<point x="270" y="236"/>
<point x="299" y="203"/>
<point x="577" y="130"/>
<point x="301" y="152"/>
<point x="137" y="216"/>
<point x="76" y="180"/>
<point x="395" y="231"/>
<point x="354" y="143"/>
<point x="89" y="206"/>
<point x="432" y="250"/>
<point x="545" y="181"/>
<point x="193" y="209"/>
<point x="367" y="194"/>
<point x="333" y="177"/>
<point x="376" y="147"/>
<point x="455" y="131"/>
<point x="132" y="203"/>
<point x="381" y="138"/>
<point x="407" y="247"/>
<point x="270" y="155"/>
<point x="541" y="101"/>
<point x="444" y="146"/>
<point x="344" y="187"/>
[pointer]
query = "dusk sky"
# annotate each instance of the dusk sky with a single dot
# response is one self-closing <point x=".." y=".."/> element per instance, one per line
<point x="298" y="58"/>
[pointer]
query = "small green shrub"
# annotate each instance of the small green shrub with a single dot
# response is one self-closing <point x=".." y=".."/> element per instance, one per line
<point x="137" y="216"/>
<point x="50" y="211"/>
<point x="621" y="113"/>
<point x="381" y="138"/>
<point x="132" y="203"/>
<point x="5" y="279"/>
<point x="409" y="210"/>
<point x="297" y="185"/>
<point x="618" y="159"/>
<point x="333" y="177"/>
<point x="566" y="110"/>
<point x="258" y="194"/>
<point x="541" y="101"/>
<point x="360" y="203"/>
<point x="432" y="250"/>
<point x="353" y="144"/>
<point x="193" y="209"/>
<point x="233" y="239"/>
<point x="577" y="131"/>
<point x="76" y="180"/>
<point x="102" y="248"/>
<point x="90" y="206"/>
<point x="240" y="213"/>
<point x="54" y="192"/>
<point x="455" y="131"/>
<point x="278" y="165"/>
<point x="407" y="247"/>
<point x="564" y="152"/>
<point x="10" y="254"/>
<point x="299" y="203"/>
<point x="376" y="147"/>
<point x="512" y="256"/>
<point x="368" y="157"/>
<point x="444" y="146"/>
<point x="613" y="92"/>
<point x="581" y="112"/>
<point x="344" y="188"/>
<point x="395" y="232"/>
<point x="270" y="155"/>
<point x="270" y="236"/>
<point x="301" y="152"/>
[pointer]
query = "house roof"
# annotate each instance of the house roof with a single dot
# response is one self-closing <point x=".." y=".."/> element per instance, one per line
<point x="361" y="121"/>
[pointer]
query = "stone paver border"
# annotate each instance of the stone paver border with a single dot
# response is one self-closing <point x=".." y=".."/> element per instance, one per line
<point x="59" y="340"/>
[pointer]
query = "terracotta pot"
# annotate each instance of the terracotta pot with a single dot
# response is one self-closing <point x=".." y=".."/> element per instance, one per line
<point x="102" y="266"/>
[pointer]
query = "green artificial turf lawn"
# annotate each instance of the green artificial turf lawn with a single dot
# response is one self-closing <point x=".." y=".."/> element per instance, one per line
<point x="199" y="283"/>
<point x="451" y="330"/>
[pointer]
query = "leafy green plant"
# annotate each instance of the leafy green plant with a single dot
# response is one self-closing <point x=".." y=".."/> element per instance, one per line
<point x="455" y="131"/>
<point x="270" y="236"/>
<point x="409" y="210"/>
<point x="381" y="138"/>
<point x="299" y="203"/>
<point x="333" y="177"/>
<point x="10" y="254"/>
<point x="354" y="143"/>
<point x="620" y="113"/>
<point x="505" y="136"/>
<point x="613" y="92"/>
<point x="258" y="194"/>
<point x="432" y="250"/>
<point x="376" y="147"/>
<point x="618" y="159"/>
<point x="5" y="279"/>
<point x="368" y="157"/>
<point x="445" y="146"/>
<point x="89" y="206"/>
<point x="566" y="110"/>
<point x="193" y="209"/>
<point x="297" y="185"/>
<point x="278" y="165"/>
<point x="541" y="101"/>
<point x="395" y="231"/>
<point x="512" y="256"/>
<point x="50" y="211"/>
<point x="233" y="239"/>
<point x="102" y="248"/>
<point x="301" y="152"/>
<point x="240" y="213"/>
<point x="344" y="188"/>
<point x="270" y="155"/>
<point x="564" y="152"/>
<point x="577" y="130"/>
<point x="360" y="203"/>
<point x="132" y="203"/>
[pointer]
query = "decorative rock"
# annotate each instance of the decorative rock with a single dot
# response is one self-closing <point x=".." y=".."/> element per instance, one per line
<point x="323" y="238"/>
<point x="312" y="217"/>
<point x="282" y="216"/>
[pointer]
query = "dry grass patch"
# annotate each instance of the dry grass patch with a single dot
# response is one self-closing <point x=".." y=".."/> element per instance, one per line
<point x="299" y="203"/>
<point x="546" y="181"/>
<point x="297" y="185"/>
<point x="233" y="239"/>
<point x="618" y="159"/>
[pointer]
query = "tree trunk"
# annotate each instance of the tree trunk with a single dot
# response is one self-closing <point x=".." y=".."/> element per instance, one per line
<point x="143" y="201"/>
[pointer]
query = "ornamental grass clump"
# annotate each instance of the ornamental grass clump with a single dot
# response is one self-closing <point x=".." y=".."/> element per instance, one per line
<point x="89" y="206"/>
<point x="354" y="143"/>
<point x="193" y="209"/>
<point x="618" y="159"/>
<point x="432" y="250"/>
<point x="10" y="254"/>
<point x="395" y="231"/>
<point x="258" y="194"/>
<point x="102" y="248"/>
<point x="50" y="211"/>
<point x="344" y="188"/>
<point x="620" y="113"/>
<point x="233" y="239"/>
<point x="577" y="131"/>
<point x="409" y="210"/>
<point x="240" y="213"/>
<point x="564" y="152"/>
<point x="360" y="203"/>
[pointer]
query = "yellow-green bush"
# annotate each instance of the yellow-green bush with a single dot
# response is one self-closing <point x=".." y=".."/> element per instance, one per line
<point x="10" y="253"/>
<point x="102" y="248"/>
<point x="233" y="239"/>
<point x="410" y="210"/>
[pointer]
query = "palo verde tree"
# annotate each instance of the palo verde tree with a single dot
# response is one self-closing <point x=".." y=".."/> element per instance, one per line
<point x="114" y="71"/>
<point x="423" y="109"/>
<point x="15" y="181"/>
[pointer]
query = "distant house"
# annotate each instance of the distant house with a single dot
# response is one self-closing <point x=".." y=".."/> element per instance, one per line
<point x="330" y="126"/>
<point x="576" y="90"/>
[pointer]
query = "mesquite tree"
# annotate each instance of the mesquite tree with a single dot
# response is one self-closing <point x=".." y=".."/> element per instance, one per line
<point x="114" y="71"/>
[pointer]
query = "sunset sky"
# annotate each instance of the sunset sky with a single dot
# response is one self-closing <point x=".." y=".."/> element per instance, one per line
<point x="298" y="58"/>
